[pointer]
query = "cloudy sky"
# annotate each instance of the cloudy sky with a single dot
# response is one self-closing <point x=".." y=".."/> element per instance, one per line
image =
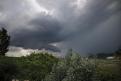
<point x="87" y="26"/>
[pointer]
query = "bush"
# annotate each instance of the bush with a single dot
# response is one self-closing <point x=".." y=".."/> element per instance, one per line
<point x="8" y="69"/>
<point x="72" y="68"/>
<point x="35" y="66"/>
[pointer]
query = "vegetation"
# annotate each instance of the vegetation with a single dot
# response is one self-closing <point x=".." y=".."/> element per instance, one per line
<point x="72" y="68"/>
<point x="45" y="67"/>
<point x="4" y="41"/>
<point x="35" y="66"/>
<point x="8" y="69"/>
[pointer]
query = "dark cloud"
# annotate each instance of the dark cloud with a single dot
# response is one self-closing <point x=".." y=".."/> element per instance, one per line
<point x="45" y="31"/>
<point x="98" y="29"/>
<point x="87" y="26"/>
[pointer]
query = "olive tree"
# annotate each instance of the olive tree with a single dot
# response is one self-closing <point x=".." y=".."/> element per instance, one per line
<point x="73" y="68"/>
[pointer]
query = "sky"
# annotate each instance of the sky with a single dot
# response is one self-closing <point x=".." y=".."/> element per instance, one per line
<point x="86" y="26"/>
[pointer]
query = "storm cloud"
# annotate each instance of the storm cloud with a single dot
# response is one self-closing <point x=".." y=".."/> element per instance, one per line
<point x="87" y="26"/>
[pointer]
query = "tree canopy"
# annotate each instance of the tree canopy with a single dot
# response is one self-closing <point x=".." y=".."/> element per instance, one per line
<point x="4" y="41"/>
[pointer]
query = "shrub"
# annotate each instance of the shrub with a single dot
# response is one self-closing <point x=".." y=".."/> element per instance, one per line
<point x="72" y="68"/>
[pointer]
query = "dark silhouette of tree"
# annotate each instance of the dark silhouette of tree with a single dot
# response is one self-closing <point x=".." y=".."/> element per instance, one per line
<point x="4" y="41"/>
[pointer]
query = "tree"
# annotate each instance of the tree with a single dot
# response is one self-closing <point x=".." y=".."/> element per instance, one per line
<point x="35" y="66"/>
<point x="73" y="68"/>
<point x="4" y="41"/>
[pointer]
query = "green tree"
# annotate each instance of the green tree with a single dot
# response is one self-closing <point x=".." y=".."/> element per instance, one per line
<point x="73" y="68"/>
<point x="36" y="66"/>
<point x="4" y="41"/>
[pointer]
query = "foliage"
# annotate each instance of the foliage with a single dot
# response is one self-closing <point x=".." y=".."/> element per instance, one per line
<point x="72" y="68"/>
<point x="8" y="69"/>
<point x="35" y="66"/>
<point x="108" y="70"/>
<point x="45" y="67"/>
<point x="4" y="41"/>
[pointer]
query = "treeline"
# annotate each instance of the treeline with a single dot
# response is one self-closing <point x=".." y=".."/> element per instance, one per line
<point x="46" y="67"/>
<point x="34" y="67"/>
<point x="116" y="55"/>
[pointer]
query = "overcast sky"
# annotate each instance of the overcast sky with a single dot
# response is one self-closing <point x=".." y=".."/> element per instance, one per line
<point x="87" y="26"/>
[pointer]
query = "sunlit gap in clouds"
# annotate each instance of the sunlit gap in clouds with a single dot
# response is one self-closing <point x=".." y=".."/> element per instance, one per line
<point x="39" y="9"/>
<point x="80" y="3"/>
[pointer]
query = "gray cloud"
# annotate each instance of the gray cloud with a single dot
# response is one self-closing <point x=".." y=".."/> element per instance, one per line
<point x="98" y="30"/>
<point x="44" y="31"/>
<point x="88" y="26"/>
